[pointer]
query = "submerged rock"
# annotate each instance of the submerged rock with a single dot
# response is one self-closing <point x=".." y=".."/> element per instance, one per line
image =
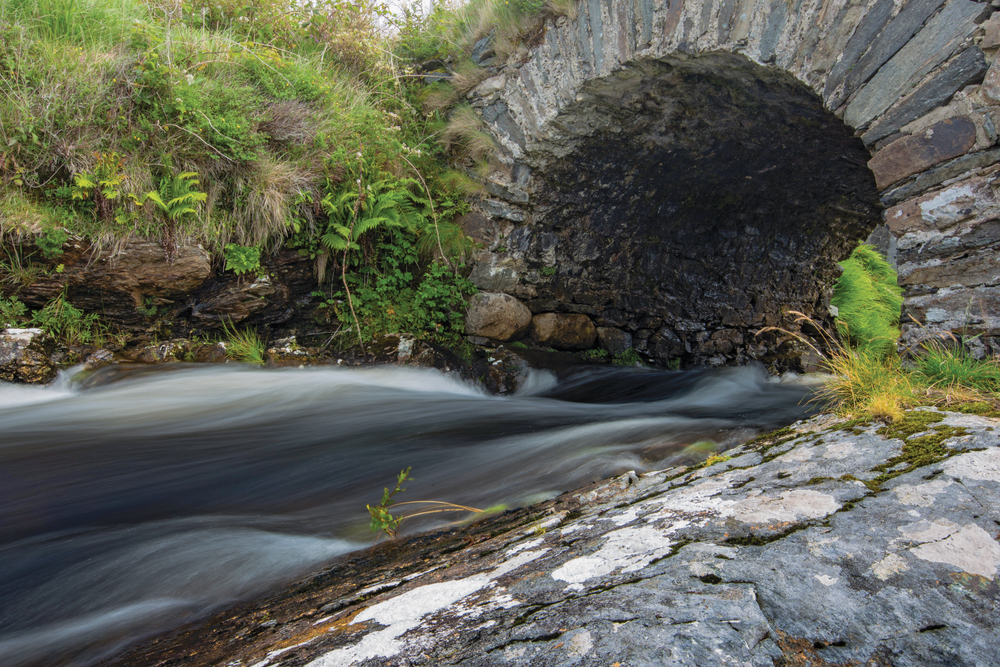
<point x="819" y="544"/>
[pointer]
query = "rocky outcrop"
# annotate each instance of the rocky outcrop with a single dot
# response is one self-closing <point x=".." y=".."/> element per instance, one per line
<point x="685" y="171"/>
<point x="25" y="356"/>
<point x="563" y="331"/>
<point x="497" y="316"/>
<point x="135" y="290"/>
<point x="823" y="543"/>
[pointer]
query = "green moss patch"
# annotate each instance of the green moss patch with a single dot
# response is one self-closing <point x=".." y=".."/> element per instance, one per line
<point x="917" y="451"/>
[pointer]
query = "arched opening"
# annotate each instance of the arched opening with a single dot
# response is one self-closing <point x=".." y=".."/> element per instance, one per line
<point x="694" y="201"/>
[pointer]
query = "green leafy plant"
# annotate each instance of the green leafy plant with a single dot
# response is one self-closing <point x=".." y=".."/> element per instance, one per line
<point x="177" y="200"/>
<point x="13" y="313"/>
<point x="51" y="242"/>
<point x="868" y="302"/>
<point x="63" y="320"/>
<point x="596" y="353"/>
<point x="241" y="259"/>
<point x="245" y="346"/>
<point x="383" y="521"/>
<point x="627" y="358"/>
<point x="101" y="186"/>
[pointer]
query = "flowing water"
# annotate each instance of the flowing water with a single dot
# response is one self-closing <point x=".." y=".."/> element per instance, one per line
<point x="135" y="499"/>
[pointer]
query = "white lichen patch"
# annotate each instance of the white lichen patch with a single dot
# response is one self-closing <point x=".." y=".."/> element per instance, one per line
<point x="888" y="566"/>
<point x="971" y="550"/>
<point x="580" y="644"/>
<point x="840" y="450"/>
<point x="797" y="455"/>
<point x="789" y="506"/>
<point x="627" y="549"/>
<point x="623" y="518"/>
<point x="826" y="579"/>
<point x="575" y="527"/>
<point x="407" y="611"/>
<point x="922" y="495"/>
<point x="982" y="466"/>
<point x="526" y="545"/>
<point x="929" y="531"/>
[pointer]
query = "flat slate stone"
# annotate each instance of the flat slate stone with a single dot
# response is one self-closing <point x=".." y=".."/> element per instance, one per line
<point x="969" y="268"/>
<point x="889" y="41"/>
<point x="967" y="67"/>
<point x="991" y="39"/>
<point x="939" y="175"/>
<point x="929" y="48"/>
<point x="972" y="199"/>
<point x="911" y="155"/>
<point x="867" y="30"/>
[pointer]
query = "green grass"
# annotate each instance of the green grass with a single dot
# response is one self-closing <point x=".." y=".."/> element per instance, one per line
<point x="946" y="367"/>
<point x="246" y="346"/>
<point x="869" y="302"/>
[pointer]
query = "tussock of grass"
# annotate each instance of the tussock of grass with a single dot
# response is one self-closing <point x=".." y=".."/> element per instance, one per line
<point x="466" y="132"/>
<point x="865" y="383"/>
<point x="869" y="302"/>
<point x="952" y="367"/>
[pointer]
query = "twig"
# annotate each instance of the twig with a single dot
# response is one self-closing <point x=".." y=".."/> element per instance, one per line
<point x="221" y="154"/>
<point x="430" y="200"/>
<point x="343" y="268"/>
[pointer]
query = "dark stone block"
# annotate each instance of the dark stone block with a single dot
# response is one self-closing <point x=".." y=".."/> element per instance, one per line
<point x="483" y="49"/>
<point x="867" y="30"/>
<point x="911" y="155"/>
<point x="936" y="176"/>
<point x="899" y="30"/>
<point x="966" y="68"/>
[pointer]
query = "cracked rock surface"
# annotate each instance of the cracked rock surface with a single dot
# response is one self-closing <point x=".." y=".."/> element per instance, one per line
<point x="823" y="544"/>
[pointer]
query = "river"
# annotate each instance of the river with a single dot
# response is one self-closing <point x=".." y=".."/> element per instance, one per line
<point x="135" y="499"/>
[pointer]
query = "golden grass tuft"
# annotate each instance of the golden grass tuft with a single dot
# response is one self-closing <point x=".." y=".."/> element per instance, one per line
<point x="466" y="134"/>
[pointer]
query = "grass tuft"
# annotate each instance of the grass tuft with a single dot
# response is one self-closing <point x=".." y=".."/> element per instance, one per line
<point x="869" y="302"/>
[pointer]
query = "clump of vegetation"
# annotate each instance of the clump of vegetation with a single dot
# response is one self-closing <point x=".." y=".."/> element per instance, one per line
<point x="383" y="521"/>
<point x="246" y="346"/>
<point x="951" y="366"/>
<point x="251" y="127"/>
<point x="869" y="302"/>
<point x="870" y="379"/>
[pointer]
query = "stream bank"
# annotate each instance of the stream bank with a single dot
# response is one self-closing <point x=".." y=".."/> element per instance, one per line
<point x="826" y="543"/>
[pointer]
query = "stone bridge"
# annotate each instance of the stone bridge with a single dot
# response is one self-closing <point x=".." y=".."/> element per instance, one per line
<point x="684" y="172"/>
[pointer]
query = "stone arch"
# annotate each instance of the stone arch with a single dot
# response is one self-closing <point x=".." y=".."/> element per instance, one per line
<point x="910" y="81"/>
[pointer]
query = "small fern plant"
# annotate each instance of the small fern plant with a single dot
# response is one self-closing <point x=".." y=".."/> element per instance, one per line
<point x="384" y="204"/>
<point x="178" y="198"/>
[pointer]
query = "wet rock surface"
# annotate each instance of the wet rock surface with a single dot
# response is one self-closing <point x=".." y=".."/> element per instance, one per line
<point x="136" y="291"/>
<point x="25" y="356"/>
<point x="824" y="543"/>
